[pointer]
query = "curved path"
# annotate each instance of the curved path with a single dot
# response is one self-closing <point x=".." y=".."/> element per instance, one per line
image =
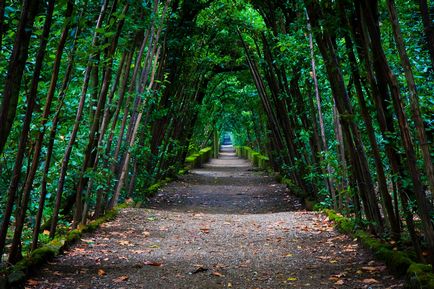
<point x="223" y="226"/>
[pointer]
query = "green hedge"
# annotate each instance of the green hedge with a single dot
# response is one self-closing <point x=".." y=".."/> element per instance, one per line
<point x="418" y="276"/>
<point x="256" y="158"/>
<point x="197" y="160"/>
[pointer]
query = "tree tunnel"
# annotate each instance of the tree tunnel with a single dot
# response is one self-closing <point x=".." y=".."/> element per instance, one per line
<point x="102" y="99"/>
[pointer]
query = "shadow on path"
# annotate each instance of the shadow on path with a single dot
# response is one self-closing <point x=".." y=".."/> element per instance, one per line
<point x="227" y="185"/>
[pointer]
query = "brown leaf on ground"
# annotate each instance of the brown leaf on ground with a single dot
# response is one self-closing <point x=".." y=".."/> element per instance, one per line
<point x="120" y="279"/>
<point x="101" y="272"/>
<point x="199" y="270"/>
<point x="374" y="269"/>
<point x="151" y="263"/>
<point x="125" y="243"/>
<point x="370" y="281"/>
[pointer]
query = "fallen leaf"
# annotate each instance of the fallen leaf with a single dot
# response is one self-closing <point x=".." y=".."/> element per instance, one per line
<point x="339" y="282"/>
<point x="292" y="279"/>
<point x="218" y="274"/>
<point x="374" y="269"/>
<point x="120" y="279"/>
<point x="199" y="270"/>
<point x="155" y="264"/>
<point x="369" y="281"/>
<point x="288" y="255"/>
<point x="333" y="261"/>
<point x="101" y="272"/>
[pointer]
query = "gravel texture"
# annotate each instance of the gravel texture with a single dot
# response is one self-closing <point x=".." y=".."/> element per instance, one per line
<point x="223" y="226"/>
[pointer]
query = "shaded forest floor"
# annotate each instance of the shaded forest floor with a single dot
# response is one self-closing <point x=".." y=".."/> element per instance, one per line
<point x="223" y="226"/>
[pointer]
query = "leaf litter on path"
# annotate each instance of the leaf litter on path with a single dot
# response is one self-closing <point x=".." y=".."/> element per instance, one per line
<point x="218" y="226"/>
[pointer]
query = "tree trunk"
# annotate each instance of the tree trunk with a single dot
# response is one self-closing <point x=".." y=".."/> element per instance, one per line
<point x="414" y="99"/>
<point x="428" y="29"/>
<point x="2" y="16"/>
<point x="15" y="251"/>
<point x="15" y="73"/>
<point x="384" y="71"/>
<point x="91" y="152"/>
<point x="351" y="133"/>
<point x="329" y="180"/>
<point x="79" y="113"/>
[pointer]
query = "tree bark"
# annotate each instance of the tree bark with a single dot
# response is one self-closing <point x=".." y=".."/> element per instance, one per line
<point x="79" y="113"/>
<point x="15" y="72"/>
<point x="414" y="99"/>
<point x="15" y="250"/>
<point x="2" y="16"/>
<point x="428" y="29"/>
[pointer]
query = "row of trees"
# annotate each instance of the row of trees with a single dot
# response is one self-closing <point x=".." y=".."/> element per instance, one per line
<point x="343" y="105"/>
<point x="379" y="116"/>
<point x="94" y="108"/>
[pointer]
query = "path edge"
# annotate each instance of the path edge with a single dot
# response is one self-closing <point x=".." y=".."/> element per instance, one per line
<point x="15" y="276"/>
<point x="417" y="275"/>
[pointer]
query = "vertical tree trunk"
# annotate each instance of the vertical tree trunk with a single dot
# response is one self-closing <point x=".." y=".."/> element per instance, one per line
<point x="43" y="195"/>
<point x="78" y="116"/>
<point x="15" y="250"/>
<point x="56" y="67"/>
<point x="382" y="182"/>
<point x="351" y="133"/>
<point x="414" y="100"/>
<point x="91" y="152"/>
<point x="15" y="72"/>
<point x="125" y="164"/>
<point x="2" y="16"/>
<point x="329" y="181"/>
<point x="428" y="29"/>
<point x="384" y="71"/>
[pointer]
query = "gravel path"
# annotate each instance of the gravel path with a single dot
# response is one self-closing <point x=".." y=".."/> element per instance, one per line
<point x="223" y="226"/>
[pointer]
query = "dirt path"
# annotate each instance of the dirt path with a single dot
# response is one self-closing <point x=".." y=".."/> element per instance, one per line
<point x="223" y="226"/>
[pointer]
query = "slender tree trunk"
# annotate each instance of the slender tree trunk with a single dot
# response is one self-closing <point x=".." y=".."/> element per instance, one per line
<point x="329" y="180"/>
<point x="384" y="72"/>
<point x="47" y="165"/>
<point x="414" y="100"/>
<point x="79" y="114"/>
<point x="428" y="28"/>
<point x="15" y="250"/>
<point x="382" y="182"/>
<point x="93" y="142"/>
<point x="124" y="169"/>
<point x="101" y="133"/>
<point x="15" y="73"/>
<point x="2" y="16"/>
<point x="358" y="157"/>
<point x="56" y="67"/>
